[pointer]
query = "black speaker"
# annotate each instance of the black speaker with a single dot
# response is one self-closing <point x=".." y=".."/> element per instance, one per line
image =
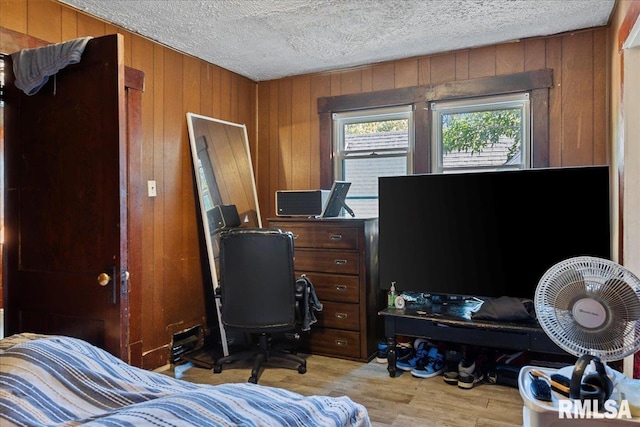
<point x="223" y="217"/>
<point x="595" y="386"/>
<point x="300" y="203"/>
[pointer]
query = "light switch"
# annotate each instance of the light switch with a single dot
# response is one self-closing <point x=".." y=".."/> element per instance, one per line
<point x="151" y="186"/>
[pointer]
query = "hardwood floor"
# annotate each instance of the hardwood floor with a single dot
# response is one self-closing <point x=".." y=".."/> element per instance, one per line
<point x="398" y="402"/>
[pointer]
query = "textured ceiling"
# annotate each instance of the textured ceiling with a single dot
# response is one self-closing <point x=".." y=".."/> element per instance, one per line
<point x="269" y="39"/>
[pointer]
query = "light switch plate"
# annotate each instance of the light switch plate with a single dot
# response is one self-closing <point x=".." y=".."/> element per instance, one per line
<point x="151" y="187"/>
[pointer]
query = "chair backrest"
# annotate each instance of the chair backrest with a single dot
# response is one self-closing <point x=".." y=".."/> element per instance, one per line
<point x="257" y="280"/>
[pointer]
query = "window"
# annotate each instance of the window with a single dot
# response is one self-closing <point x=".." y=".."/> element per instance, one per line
<point x="490" y="133"/>
<point x="368" y="144"/>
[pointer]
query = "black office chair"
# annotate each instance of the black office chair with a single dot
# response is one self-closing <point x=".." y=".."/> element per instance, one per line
<point x="258" y="292"/>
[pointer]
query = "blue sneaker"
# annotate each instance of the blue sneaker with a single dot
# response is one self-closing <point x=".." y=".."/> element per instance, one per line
<point x="383" y="351"/>
<point x="412" y="360"/>
<point x="402" y="350"/>
<point x="431" y="366"/>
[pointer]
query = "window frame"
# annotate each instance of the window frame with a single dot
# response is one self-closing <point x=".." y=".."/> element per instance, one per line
<point x="340" y="155"/>
<point x="537" y="83"/>
<point x="470" y="105"/>
<point x="340" y="119"/>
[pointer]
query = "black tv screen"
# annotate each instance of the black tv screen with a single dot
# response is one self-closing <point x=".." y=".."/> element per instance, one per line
<point x="489" y="234"/>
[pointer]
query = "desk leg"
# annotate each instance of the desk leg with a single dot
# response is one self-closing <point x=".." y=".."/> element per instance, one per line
<point x="391" y="356"/>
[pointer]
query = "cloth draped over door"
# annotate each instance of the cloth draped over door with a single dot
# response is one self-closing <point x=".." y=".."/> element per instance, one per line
<point x="33" y="67"/>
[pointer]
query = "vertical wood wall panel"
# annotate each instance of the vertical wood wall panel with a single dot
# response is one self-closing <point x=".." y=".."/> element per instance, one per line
<point x="274" y="167"/>
<point x="216" y="79"/>
<point x="264" y="165"/>
<point x="153" y="312"/>
<point x="366" y="79"/>
<point x="424" y="71"/>
<point x="189" y="310"/>
<point x="284" y="109"/>
<point x="88" y="26"/>
<point x="509" y="58"/>
<point x="173" y="185"/>
<point x="482" y="62"/>
<point x="577" y="99"/>
<point x="462" y="65"/>
<point x="206" y="90"/>
<point x="320" y="87"/>
<point x="13" y="15"/>
<point x="69" y="23"/>
<point x="553" y="55"/>
<point x="406" y="73"/>
<point x="443" y="68"/>
<point x="600" y="111"/>
<point x="301" y="133"/>
<point x="45" y="20"/>
<point x="534" y="56"/>
<point x="382" y="76"/>
<point x="350" y="81"/>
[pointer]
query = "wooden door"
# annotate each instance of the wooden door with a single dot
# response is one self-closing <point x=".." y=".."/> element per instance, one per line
<point x="66" y="202"/>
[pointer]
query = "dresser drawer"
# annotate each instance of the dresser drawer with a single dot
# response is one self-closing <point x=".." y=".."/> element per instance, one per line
<point x="334" y="287"/>
<point x="339" y="316"/>
<point x="323" y="237"/>
<point x="333" y="342"/>
<point x="340" y="262"/>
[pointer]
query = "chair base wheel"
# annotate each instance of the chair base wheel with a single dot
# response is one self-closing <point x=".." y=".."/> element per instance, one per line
<point x="253" y="380"/>
<point x="302" y="369"/>
<point x="217" y="369"/>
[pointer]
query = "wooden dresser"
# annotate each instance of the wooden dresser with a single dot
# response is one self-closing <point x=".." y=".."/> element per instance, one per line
<point x="339" y="255"/>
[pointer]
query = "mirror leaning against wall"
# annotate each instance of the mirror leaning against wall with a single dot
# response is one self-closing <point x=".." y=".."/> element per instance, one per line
<point x="224" y="179"/>
<point x="225" y="185"/>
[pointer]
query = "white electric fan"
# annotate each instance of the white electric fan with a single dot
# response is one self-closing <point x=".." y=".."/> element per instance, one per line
<point x="590" y="305"/>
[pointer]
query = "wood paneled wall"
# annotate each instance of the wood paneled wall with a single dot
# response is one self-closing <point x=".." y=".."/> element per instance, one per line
<point x="282" y="123"/>
<point x="172" y="282"/>
<point x="288" y="131"/>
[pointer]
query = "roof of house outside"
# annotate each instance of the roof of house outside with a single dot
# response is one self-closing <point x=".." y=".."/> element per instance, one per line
<point x="491" y="155"/>
<point x="378" y="140"/>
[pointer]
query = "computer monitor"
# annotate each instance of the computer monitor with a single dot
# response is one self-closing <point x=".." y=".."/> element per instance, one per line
<point x="336" y="200"/>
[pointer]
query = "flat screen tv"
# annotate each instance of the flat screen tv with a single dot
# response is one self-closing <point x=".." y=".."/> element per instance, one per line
<point x="489" y="234"/>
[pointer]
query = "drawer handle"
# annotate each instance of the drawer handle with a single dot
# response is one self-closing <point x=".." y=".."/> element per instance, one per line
<point x="341" y="315"/>
<point x="341" y="262"/>
<point x="342" y="343"/>
<point x="335" y="237"/>
<point x="341" y="288"/>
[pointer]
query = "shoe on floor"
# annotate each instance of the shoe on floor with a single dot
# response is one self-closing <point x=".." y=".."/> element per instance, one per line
<point x="402" y="350"/>
<point x="432" y="365"/>
<point x="411" y="360"/>
<point x="383" y="351"/>
<point x="451" y="359"/>
<point x="468" y="375"/>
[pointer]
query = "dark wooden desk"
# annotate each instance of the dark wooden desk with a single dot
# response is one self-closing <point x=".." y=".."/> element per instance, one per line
<point x="453" y="323"/>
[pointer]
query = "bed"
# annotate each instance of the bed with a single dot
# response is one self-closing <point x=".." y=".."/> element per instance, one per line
<point x="62" y="381"/>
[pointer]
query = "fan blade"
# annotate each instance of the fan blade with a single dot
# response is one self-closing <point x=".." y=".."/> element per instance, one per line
<point x="570" y="287"/>
<point x="629" y="302"/>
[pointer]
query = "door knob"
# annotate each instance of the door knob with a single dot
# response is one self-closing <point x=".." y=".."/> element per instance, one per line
<point x="103" y="279"/>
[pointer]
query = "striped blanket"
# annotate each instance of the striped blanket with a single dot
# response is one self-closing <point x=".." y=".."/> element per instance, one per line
<point x="61" y="381"/>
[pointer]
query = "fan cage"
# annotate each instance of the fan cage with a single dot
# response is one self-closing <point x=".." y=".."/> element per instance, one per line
<point x="606" y="285"/>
